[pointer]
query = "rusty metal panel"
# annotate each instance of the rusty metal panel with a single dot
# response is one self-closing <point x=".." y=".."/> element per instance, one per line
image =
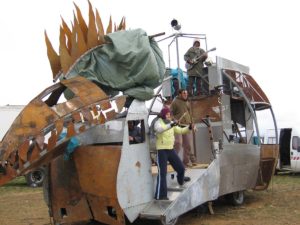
<point x="267" y="166"/>
<point x="269" y="151"/>
<point x="25" y="144"/>
<point x="23" y="150"/>
<point x="49" y="156"/>
<point x="110" y="115"/>
<point x="10" y="173"/>
<point x="97" y="168"/>
<point x="68" y="202"/>
<point x="34" y="154"/>
<point x="94" y="110"/>
<point x="71" y="130"/>
<point x="59" y="125"/>
<point x="87" y="115"/>
<point x="34" y="117"/>
<point x="105" y="105"/>
<point x="12" y="157"/>
<point x="249" y="86"/>
<point x="65" y="108"/>
<point x="265" y="173"/>
<point x="120" y="102"/>
<point x="100" y="208"/>
<point x="205" y="106"/>
<point x="85" y="89"/>
<point x="256" y="91"/>
<point x="30" y="121"/>
<point x="52" y="140"/>
<point x="101" y="118"/>
<point x="268" y="160"/>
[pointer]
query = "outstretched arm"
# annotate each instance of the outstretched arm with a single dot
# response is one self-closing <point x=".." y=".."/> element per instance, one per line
<point x="159" y="128"/>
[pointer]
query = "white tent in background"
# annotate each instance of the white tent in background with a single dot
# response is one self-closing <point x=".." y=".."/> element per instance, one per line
<point x="8" y="113"/>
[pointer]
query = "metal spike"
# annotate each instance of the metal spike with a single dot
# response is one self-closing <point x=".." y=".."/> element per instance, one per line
<point x="81" y="22"/>
<point x="80" y="44"/>
<point x="65" y="58"/>
<point x="120" y="27"/>
<point x="75" y="43"/>
<point x="68" y="34"/>
<point x="99" y="23"/>
<point x="124" y="24"/>
<point x="74" y="52"/>
<point x="109" y="28"/>
<point x="92" y="37"/>
<point x="100" y="29"/>
<point x="52" y="56"/>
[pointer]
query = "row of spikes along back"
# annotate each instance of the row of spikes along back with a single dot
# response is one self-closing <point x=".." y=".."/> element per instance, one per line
<point x="74" y="43"/>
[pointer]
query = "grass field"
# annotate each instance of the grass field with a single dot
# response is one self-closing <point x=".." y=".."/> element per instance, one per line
<point x="280" y="204"/>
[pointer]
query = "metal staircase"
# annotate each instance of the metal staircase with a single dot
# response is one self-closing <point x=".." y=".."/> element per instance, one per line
<point x="203" y="187"/>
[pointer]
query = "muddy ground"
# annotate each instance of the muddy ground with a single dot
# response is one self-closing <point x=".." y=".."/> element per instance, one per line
<point x="280" y="204"/>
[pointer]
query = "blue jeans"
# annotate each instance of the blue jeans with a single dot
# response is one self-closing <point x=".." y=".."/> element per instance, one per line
<point x="194" y="82"/>
<point x="163" y="156"/>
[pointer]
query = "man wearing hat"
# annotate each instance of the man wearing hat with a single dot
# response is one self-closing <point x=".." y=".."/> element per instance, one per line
<point x="195" y="58"/>
<point x="165" y="129"/>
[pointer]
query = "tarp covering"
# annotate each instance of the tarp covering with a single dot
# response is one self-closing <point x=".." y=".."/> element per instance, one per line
<point x="131" y="63"/>
<point x="183" y="77"/>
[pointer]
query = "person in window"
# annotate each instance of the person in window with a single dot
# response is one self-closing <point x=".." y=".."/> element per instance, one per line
<point x="135" y="134"/>
<point x="165" y="130"/>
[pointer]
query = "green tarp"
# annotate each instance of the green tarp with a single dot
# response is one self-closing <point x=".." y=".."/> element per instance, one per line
<point x="130" y="62"/>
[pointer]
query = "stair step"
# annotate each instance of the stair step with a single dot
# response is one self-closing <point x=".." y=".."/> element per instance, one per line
<point x="287" y="168"/>
<point x="176" y="189"/>
<point x="155" y="209"/>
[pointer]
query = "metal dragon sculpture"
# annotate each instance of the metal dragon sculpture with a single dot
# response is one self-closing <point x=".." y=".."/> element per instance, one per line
<point x="24" y="144"/>
<point x="77" y="128"/>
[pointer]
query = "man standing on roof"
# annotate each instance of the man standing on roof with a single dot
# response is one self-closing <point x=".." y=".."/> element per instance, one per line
<point x="195" y="58"/>
<point x="181" y="110"/>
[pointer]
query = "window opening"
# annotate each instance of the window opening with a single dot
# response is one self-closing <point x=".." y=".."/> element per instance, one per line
<point x="296" y="143"/>
<point x="136" y="131"/>
<point x="271" y="140"/>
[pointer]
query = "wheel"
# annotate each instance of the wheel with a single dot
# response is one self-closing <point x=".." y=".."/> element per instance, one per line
<point x="236" y="198"/>
<point x="171" y="222"/>
<point x="35" y="178"/>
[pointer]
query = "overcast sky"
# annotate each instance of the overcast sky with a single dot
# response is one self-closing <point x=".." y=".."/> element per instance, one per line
<point x="263" y="35"/>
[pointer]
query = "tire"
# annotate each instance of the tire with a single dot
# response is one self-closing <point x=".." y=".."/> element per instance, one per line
<point x="236" y="198"/>
<point x="35" y="178"/>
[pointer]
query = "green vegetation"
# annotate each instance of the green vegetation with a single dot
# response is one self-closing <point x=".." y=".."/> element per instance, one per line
<point x="272" y="206"/>
<point x="17" y="185"/>
<point x="287" y="179"/>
